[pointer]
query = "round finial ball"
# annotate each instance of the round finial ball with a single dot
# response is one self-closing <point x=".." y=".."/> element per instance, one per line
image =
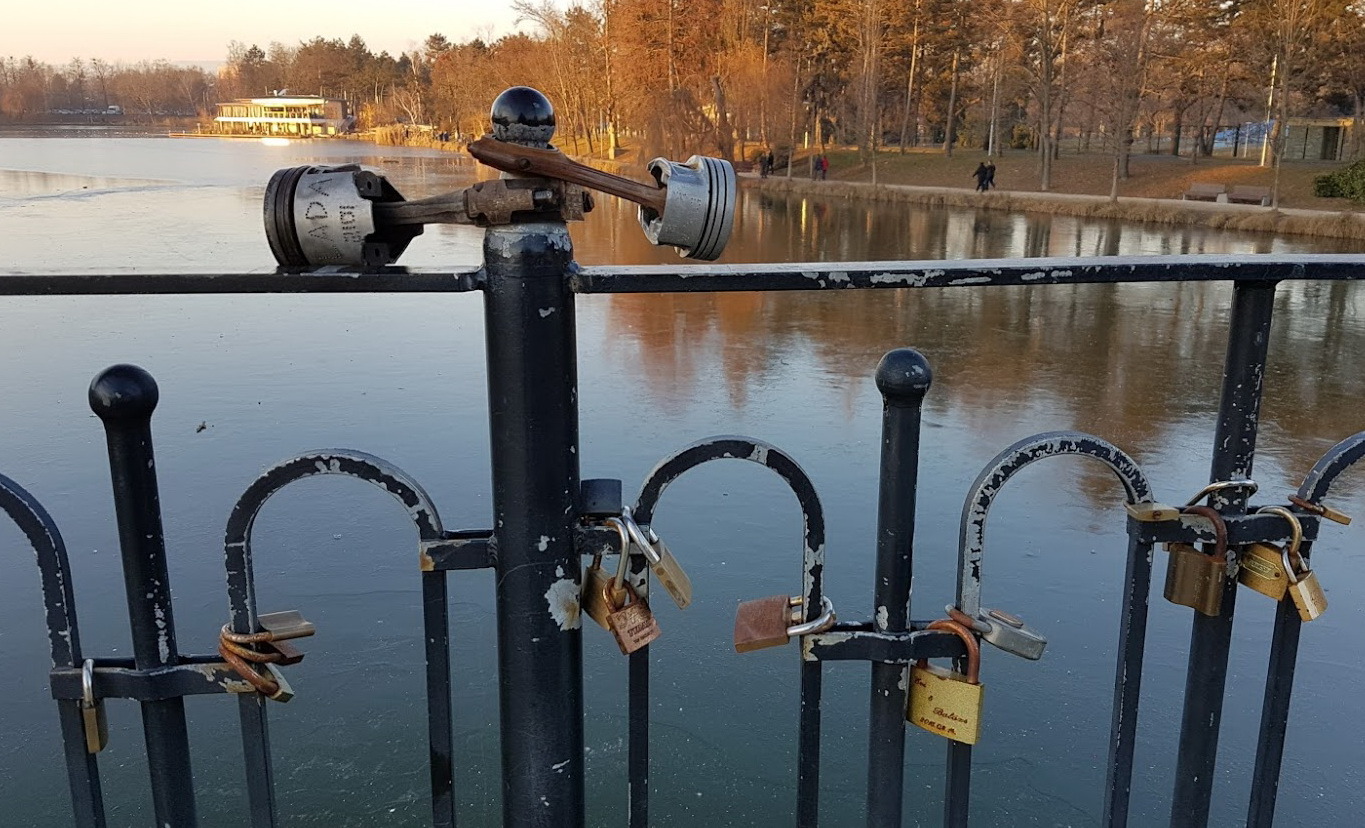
<point x="522" y="115"/>
<point x="123" y="392"/>
<point x="904" y="375"/>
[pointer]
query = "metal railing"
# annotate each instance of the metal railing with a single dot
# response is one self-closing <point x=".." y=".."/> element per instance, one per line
<point x="545" y="520"/>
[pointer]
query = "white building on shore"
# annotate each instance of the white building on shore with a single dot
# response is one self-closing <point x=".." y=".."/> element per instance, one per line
<point x="296" y="115"/>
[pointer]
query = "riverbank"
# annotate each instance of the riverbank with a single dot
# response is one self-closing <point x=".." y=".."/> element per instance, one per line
<point x="1082" y="182"/>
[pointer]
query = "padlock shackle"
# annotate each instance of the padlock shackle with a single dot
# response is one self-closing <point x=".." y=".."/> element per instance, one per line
<point x="973" y="649"/>
<point x="638" y="535"/>
<point x="820" y="624"/>
<point x="1220" y="527"/>
<point x="1223" y="485"/>
<point x="1294" y="564"/>
<point x="551" y="163"/>
<point x="977" y="624"/>
<point x="622" y="568"/>
<point x="88" y="682"/>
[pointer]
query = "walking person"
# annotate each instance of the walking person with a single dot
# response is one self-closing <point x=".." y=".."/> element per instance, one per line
<point x="990" y="174"/>
<point x="982" y="176"/>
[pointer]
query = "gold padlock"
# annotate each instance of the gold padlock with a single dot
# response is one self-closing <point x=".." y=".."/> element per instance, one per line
<point x="1195" y="579"/>
<point x="95" y="724"/>
<point x="944" y="702"/>
<point x="1303" y="586"/>
<point x="600" y="590"/>
<point x="1306" y="593"/>
<point x="661" y="561"/>
<point x="1263" y="569"/>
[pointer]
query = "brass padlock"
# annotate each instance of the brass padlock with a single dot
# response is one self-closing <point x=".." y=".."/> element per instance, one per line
<point x="1303" y="586"/>
<point x="1306" y="593"/>
<point x="661" y="561"/>
<point x="944" y="702"/>
<point x="632" y="623"/>
<point x="600" y="590"/>
<point x="1195" y="579"/>
<point x="1263" y="569"/>
<point x="773" y="621"/>
<point x="92" y="711"/>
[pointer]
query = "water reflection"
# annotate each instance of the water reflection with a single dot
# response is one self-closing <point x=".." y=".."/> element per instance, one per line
<point x="1102" y="358"/>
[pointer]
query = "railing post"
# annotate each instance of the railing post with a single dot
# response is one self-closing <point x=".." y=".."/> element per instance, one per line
<point x="1234" y="449"/>
<point x="124" y="397"/>
<point x="533" y="417"/>
<point x="903" y="377"/>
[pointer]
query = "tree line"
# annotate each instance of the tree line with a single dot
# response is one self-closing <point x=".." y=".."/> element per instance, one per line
<point x="736" y="77"/>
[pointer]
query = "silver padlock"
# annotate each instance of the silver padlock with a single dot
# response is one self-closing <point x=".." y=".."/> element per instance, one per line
<point x="699" y="206"/>
<point x="1003" y="630"/>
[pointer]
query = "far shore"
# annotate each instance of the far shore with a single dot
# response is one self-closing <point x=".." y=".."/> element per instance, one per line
<point x="1081" y="187"/>
<point x="1285" y="220"/>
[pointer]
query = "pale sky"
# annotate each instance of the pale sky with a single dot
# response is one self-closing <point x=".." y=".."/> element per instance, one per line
<point x="191" y="30"/>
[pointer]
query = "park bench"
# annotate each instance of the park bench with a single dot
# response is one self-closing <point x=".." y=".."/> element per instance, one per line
<point x="1199" y="191"/>
<point x="1243" y="194"/>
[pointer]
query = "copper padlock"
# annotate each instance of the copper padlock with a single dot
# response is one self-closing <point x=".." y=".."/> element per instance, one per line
<point x="600" y="590"/>
<point x="773" y="621"/>
<point x="632" y="623"/>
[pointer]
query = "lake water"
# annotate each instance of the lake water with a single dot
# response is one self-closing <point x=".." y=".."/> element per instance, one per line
<point x="249" y="380"/>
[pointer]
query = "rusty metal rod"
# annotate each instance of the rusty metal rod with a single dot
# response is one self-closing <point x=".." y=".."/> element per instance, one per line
<point x="554" y="164"/>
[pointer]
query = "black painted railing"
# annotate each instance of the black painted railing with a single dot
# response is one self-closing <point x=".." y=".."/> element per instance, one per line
<point x="546" y="520"/>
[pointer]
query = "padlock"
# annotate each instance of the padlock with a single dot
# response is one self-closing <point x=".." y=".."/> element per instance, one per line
<point x="602" y="591"/>
<point x="285" y="625"/>
<point x="320" y="215"/>
<point x="945" y="702"/>
<point x="1265" y="567"/>
<point x="1306" y="592"/>
<point x="661" y="561"/>
<point x="632" y="623"/>
<point x="1262" y="568"/>
<point x="285" y="692"/>
<point x="1003" y="630"/>
<point x="95" y="724"/>
<point x="1321" y="510"/>
<point x="699" y="206"/>
<point x="1303" y="586"/>
<point x="773" y="621"/>
<point x="1195" y="579"/>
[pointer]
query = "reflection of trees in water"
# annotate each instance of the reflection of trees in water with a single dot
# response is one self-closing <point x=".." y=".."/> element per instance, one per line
<point x="1127" y="362"/>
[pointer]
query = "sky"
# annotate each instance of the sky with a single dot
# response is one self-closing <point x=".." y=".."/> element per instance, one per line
<point x="192" y="31"/>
